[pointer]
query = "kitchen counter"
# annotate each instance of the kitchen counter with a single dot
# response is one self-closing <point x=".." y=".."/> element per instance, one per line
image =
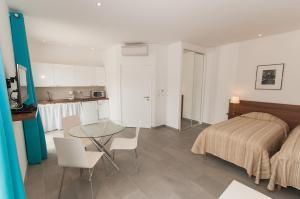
<point x="85" y="99"/>
<point x="24" y="116"/>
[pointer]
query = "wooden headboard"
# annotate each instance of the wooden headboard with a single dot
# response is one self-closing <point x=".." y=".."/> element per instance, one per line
<point x="288" y="113"/>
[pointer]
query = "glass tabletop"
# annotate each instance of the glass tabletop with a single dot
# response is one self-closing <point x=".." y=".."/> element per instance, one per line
<point x="100" y="129"/>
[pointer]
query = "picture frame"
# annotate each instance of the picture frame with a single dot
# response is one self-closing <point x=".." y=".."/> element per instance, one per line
<point x="269" y="77"/>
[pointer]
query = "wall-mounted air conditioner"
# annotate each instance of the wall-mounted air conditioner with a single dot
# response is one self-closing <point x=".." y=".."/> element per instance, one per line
<point x="135" y="50"/>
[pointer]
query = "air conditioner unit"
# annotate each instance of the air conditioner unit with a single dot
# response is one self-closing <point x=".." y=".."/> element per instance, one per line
<point x="135" y="50"/>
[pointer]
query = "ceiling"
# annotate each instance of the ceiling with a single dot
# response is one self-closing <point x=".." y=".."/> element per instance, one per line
<point x="203" y="22"/>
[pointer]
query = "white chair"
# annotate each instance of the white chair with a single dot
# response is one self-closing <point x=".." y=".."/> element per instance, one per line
<point x="126" y="143"/>
<point x="71" y="153"/>
<point x="70" y="122"/>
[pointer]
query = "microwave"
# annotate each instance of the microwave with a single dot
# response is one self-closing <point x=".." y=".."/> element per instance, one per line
<point x="95" y="94"/>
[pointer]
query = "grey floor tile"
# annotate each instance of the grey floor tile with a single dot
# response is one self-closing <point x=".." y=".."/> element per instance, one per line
<point x="166" y="170"/>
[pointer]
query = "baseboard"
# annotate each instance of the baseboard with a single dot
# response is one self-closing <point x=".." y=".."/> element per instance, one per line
<point x="166" y="126"/>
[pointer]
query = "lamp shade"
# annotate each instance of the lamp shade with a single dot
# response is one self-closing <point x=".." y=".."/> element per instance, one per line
<point x="235" y="100"/>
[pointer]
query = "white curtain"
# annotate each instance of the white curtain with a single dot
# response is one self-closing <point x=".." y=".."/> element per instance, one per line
<point x="52" y="114"/>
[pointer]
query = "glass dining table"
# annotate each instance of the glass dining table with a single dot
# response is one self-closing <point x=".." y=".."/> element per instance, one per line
<point x="100" y="134"/>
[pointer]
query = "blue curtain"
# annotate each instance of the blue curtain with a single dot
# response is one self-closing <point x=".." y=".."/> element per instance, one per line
<point x="33" y="129"/>
<point x="11" y="183"/>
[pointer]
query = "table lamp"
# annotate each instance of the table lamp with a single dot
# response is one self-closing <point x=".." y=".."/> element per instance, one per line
<point x="234" y="100"/>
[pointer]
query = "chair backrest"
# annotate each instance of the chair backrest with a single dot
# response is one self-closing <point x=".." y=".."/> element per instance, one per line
<point x="137" y="132"/>
<point x="70" y="152"/>
<point x="69" y="122"/>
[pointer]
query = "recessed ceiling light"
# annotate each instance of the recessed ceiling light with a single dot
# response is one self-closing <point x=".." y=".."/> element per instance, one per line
<point x="259" y="35"/>
<point x="44" y="41"/>
<point x="92" y="48"/>
<point x="99" y="4"/>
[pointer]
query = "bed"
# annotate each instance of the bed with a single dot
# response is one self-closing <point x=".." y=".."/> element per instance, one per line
<point x="286" y="163"/>
<point x="247" y="141"/>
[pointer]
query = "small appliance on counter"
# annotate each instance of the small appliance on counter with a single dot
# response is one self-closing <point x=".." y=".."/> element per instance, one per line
<point x="71" y="95"/>
<point x="97" y="94"/>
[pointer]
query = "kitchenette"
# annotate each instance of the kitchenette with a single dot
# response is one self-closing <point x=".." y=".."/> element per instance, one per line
<point x="67" y="90"/>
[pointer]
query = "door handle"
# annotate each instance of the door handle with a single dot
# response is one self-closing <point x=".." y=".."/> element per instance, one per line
<point x="147" y="98"/>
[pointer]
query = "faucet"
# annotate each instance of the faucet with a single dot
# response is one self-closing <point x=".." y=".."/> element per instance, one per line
<point x="49" y="96"/>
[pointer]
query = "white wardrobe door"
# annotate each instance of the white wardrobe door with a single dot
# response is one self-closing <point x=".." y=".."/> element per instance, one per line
<point x="89" y="112"/>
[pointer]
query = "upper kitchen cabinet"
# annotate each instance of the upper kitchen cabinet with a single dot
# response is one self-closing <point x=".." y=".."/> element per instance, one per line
<point x="89" y="76"/>
<point x="100" y="78"/>
<point x="43" y="74"/>
<point x="84" y="76"/>
<point x="51" y="75"/>
<point x="64" y="75"/>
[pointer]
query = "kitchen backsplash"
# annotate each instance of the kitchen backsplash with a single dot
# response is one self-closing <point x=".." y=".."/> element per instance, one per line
<point x="64" y="92"/>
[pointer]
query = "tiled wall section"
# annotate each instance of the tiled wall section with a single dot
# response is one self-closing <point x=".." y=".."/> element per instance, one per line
<point x="63" y="92"/>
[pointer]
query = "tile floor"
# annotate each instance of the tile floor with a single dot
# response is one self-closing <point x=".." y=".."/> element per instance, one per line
<point x="166" y="170"/>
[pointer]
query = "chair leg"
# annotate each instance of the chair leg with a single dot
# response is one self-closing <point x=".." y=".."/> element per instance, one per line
<point x="81" y="172"/>
<point x="92" y="192"/>
<point x="91" y="171"/>
<point x="61" y="182"/>
<point x="136" y="162"/>
<point x="136" y="154"/>
<point x="91" y="182"/>
<point x="104" y="164"/>
<point x="113" y="155"/>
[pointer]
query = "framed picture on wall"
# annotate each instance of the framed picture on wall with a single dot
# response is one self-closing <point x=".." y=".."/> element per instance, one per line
<point x="269" y="77"/>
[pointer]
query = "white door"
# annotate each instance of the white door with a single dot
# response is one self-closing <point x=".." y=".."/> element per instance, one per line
<point x="136" y="94"/>
<point x="197" y="87"/>
<point x="187" y="84"/>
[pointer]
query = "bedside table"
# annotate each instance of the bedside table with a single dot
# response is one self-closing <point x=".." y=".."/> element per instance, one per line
<point x="233" y="114"/>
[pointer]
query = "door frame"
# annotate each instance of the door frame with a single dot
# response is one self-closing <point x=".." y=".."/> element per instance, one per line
<point x="151" y="95"/>
<point x="202" y="88"/>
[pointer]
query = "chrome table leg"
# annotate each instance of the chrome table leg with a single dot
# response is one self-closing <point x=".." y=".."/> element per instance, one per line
<point x="107" y="155"/>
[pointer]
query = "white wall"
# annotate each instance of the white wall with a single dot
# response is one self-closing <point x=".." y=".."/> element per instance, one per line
<point x="236" y="71"/>
<point x="8" y="59"/>
<point x="174" y="85"/>
<point x="158" y="59"/>
<point x="166" y="92"/>
<point x="225" y="79"/>
<point x="6" y="41"/>
<point x="283" y="48"/>
<point x="229" y="70"/>
<point x="20" y="142"/>
<point x="161" y="84"/>
<point x="166" y="83"/>
<point x="111" y="58"/>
